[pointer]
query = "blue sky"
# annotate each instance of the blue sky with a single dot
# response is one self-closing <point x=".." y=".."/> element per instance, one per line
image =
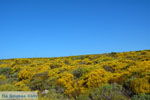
<point x="52" y="28"/>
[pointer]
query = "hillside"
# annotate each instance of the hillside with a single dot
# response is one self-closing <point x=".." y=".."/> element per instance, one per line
<point x="110" y="76"/>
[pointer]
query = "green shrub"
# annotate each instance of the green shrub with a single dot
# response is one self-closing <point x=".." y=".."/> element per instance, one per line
<point x="55" y="65"/>
<point x="79" y="72"/>
<point x="79" y="57"/>
<point x="83" y="97"/>
<point x="8" y="87"/>
<point x="39" y="81"/>
<point x="52" y="95"/>
<point x="23" y="62"/>
<point x="106" y="92"/>
<point x="128" y="90"/>
<point x="5" y="71"/>
<point x="112" y="54"/>
<point x="141" y="97"/>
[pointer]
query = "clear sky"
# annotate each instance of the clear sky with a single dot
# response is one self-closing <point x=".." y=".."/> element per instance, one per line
<point x="52" y="28"/>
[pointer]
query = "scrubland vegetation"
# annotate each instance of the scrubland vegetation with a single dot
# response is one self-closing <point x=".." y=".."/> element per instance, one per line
<point x="110" y="76"/>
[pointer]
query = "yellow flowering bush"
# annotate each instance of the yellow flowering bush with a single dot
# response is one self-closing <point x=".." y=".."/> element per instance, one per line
<point x="2" y="77"/>
<point x="141" y="85"/>
<point x="66" y="80"/>
<point x="3" y="65"/>
<point x="97" y="77"/>
<point x="25" y="74"/>
<point x="141" y="68"/>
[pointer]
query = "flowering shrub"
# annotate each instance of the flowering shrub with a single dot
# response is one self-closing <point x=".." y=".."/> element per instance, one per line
<point x="75" y="76"/>
<point x="96" y="78"/>
<point x="25" y="74"/>
<point x="141" y="85"/>
<point x="2" y="77"/>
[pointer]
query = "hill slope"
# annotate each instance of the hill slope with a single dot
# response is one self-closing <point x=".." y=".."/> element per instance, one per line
<point x="112" y="76"/>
